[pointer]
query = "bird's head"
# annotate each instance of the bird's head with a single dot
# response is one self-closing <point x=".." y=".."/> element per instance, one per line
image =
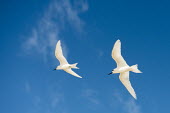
<point x="58" y="68"/>
<point x="114" y="71"/>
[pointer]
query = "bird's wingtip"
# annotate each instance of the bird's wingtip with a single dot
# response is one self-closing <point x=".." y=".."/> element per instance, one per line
<point x="58" y="41"/>
<point x="118" y="40"/>
<point x="135" y="97"/>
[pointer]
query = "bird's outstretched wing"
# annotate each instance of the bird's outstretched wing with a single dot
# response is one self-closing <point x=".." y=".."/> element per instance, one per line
<point x="124" y="78"/>
<point x="70" y="71"/>
<point x="59" y="54"/>
<point x="116" y="54"/>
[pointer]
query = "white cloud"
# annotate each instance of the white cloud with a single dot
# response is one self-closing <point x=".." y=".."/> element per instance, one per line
<point x="128" y="105"/>
<point x="59" y="15"/>
<point x="131" y="106"/>
<point x="27" y="87"/>
<point x="37" y="102"/>
<point x="52" y="101"/>
<point x="91" y="96"/>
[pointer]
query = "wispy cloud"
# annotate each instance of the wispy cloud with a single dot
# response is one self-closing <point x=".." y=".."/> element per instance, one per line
<point x="52" y="101"/>
<point x="91" y="96"/>
<point x="59" y="15"/>
<point x="131" y="106"/>
<point x="128" y="105"/>
<point x="27" y="87"/>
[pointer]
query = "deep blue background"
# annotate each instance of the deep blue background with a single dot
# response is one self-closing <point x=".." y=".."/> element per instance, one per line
<point x="28" y="84"/>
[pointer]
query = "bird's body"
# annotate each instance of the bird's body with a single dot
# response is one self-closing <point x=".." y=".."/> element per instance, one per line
<point x="64" y="65"/>
<point x="123" y="68"/>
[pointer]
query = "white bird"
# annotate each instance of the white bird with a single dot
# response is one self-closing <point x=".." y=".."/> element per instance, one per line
<point x="123" y="68"/>
<point x="64" y="65"/>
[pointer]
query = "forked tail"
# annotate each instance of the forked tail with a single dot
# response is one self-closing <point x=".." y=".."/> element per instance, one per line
<point x="74" y="66"/>
<point x="135" y="69"/>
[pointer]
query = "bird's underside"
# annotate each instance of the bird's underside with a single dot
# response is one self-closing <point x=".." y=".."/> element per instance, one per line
<point x="124" y="78"/>
<point x="63" y="62"/>
<point x="123" y="68"/>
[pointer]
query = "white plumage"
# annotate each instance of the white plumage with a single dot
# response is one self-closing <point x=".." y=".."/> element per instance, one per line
<point x="64" y="65"/>
<point x="123" y="68"/>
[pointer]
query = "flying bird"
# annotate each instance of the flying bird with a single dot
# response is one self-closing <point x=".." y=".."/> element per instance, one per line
<point x="123" y="68"/>
<point x="64" y="65"/>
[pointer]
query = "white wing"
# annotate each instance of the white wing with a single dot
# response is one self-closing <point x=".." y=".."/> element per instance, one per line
<point x="72" y="72"/>
<point x="59" y="54"/>
<point x="116" y="54"/>
<point x="124" y="78"/>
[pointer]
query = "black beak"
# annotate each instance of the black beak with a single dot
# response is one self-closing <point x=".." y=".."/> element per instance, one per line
<point x="110" y="73"/>
<point x="54" y="69"/>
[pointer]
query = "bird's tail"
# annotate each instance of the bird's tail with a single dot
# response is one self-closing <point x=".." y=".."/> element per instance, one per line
<point x="135" y="69"/>
<point x="74" y="66"/>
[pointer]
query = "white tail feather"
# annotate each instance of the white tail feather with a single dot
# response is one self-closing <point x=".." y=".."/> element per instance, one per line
<point x="135" y="69"/>
<point x="74" y="66"/>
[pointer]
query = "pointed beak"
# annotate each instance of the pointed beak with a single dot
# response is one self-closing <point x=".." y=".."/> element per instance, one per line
<point x="110" y="73"/>
<point x="54" y="69"/>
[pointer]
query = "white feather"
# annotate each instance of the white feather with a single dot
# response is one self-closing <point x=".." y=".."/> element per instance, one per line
<point x="116" y="54"/>
<point x="123" y="68"/>
<point x="59" y="54"/>
<point x="124" y="78"/>
<point x="64" y="65"/>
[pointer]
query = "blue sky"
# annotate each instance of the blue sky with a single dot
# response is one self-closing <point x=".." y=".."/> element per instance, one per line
<point x="87" y="29"/>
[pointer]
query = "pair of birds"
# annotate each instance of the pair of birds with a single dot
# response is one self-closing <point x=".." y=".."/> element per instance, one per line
<point x="122" y="67"/>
